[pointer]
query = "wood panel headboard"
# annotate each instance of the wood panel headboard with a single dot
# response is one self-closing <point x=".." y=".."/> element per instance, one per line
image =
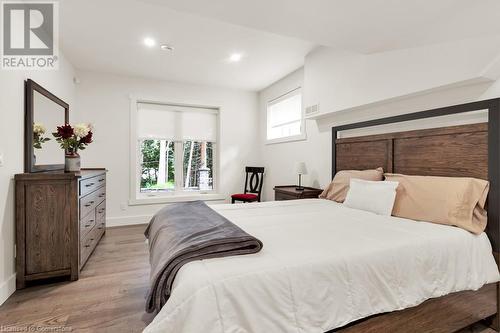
<point x="455" y="151"/>
<point x="458" y="151"/>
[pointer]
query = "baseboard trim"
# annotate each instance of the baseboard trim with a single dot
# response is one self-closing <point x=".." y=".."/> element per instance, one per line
<point x="7" y="288"/>
<point x="127" y="220"/>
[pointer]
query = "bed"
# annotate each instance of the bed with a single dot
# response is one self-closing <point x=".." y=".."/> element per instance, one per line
<point x="327" y="268"/>
<point x="322" y="266"/>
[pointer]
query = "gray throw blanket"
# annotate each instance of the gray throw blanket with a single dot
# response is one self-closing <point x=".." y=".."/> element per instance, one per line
<point x="184" y="232"/>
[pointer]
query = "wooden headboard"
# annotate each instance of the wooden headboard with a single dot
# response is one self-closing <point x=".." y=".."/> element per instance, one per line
<point x="458" y="151"/>
<point x="455" y="151"/>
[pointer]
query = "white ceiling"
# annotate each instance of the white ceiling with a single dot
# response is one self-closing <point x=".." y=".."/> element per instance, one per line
<point x="107" y="36"/>
<point x="364" y="26"/>
<point x="274" y="35"/>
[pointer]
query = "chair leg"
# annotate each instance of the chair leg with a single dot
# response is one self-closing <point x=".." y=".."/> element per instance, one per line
<point x="232" y="200"/>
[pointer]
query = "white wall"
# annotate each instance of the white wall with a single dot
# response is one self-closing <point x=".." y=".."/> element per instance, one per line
<point x="337" y="82"/>
<point x="60" y="83"/>
<point x="279" y="159"/>
<point x="340" y="80"/>
<point x="103" y="99"/>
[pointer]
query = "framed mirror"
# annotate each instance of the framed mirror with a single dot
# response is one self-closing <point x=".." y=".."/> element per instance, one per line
<point x="44" y="112"/>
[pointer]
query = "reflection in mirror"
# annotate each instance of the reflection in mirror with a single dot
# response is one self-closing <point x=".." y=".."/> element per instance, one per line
<point x="47" y="115"/>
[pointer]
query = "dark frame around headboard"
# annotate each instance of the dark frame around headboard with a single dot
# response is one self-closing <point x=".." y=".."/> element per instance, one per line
<point x="493" y="108"/>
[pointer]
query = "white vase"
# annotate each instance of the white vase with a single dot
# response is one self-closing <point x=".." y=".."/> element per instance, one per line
<point x="72" y="163"/>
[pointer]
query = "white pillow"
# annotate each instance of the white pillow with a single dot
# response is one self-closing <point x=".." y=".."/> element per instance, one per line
<point x="373" y="196"/>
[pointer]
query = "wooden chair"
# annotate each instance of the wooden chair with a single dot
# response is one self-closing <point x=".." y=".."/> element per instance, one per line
<point x="253" y="185"/>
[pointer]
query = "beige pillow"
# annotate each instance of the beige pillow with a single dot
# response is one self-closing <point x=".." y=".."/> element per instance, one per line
<point x="337" y="190"/>
<point x="457" y="201"/>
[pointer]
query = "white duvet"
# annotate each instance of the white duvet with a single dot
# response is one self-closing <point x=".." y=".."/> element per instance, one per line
<point x="322" y="266"/>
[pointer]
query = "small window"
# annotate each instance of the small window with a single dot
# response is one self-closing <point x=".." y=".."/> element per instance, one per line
<point x="176" y="150"/>
<point x="284" y="118"/>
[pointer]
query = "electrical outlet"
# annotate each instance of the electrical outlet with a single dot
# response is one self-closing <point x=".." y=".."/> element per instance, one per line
<point x="1" y="160"/>
<point x="123" y="206"/>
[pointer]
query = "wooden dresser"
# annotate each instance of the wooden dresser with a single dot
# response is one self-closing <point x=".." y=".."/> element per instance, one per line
<point x="60" y="218"/>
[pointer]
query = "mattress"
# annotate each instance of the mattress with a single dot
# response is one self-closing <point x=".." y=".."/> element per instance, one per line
<point x="323" y="265"/>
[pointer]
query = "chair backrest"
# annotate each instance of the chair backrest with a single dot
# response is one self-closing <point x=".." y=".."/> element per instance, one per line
<point x="254" y="180"/>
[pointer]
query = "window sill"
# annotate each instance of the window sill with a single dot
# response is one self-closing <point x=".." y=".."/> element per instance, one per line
<point x="175" y="198"/>
<point x="299" y="137"/>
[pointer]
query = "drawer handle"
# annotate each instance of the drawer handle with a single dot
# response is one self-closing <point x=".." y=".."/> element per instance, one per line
<point x="101" y="180"/>
<point x="87" y="225"/>
<point x="89" y="204"/>
<point x="90" y="184"/>
<point x="91" y="239"/>
<point x="102" y="195"/>
<point x="99" y="227"/>
<point x="101" y="210"/>
<point x="88" y="245"/>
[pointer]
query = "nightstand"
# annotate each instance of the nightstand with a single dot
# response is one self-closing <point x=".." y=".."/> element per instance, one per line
<point x="289" y="192"/>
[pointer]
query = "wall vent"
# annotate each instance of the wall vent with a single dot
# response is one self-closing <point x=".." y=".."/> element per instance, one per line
<point x="313" y="109"/>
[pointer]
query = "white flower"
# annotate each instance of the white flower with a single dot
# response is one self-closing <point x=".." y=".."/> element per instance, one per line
<point x="38" y="128"/>
<point x="81" y="130"/>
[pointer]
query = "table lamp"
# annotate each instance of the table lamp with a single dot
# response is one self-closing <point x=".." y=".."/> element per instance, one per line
<point x="301" y="170"/>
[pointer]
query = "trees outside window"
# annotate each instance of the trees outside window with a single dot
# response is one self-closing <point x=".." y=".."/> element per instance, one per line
<point x="158" y="167"/>
<point x="198" y="158"/>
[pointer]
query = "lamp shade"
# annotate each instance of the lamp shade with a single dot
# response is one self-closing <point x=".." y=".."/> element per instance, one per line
<point x="301" y="168"/>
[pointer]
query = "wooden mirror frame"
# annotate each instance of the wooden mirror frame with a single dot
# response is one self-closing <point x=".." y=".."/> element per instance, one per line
<point x="30" y="87"/>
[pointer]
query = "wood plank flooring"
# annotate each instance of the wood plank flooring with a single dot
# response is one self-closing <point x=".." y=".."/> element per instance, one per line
<point x="108" y="297"/>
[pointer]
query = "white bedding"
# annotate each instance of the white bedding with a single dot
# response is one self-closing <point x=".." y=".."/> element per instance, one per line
<point x="322" y="266"/>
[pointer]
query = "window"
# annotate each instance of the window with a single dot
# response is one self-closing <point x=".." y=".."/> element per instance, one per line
<point x="175" y="150"/>
<point x="157" y="166"/>
<point x="284" y="118"/>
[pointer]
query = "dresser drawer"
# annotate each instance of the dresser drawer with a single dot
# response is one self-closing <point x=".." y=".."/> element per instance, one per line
<point x="87" y="223"/>
<point x="86" y="246"/>
<point x="100" y="195"/>
<point x="89" y="243"/>
<point x="88" y="204"/>
<point x="100" y="227"/>
<point x="100" y="212"/>
<point x="89" y="185"/>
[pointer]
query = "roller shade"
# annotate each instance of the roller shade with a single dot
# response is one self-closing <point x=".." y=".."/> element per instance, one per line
<point x="285" y="110"/>
<point x="176" y="123"/>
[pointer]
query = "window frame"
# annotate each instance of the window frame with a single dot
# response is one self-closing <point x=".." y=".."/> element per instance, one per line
<point x="135" y="195"/>
<point x="291" y="138"/>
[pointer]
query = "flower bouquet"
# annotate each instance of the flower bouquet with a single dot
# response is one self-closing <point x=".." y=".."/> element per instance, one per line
<point x="38" y="135"/>
<point x="72" y="139"/>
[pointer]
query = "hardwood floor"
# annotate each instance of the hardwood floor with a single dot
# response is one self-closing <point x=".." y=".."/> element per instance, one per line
<point x="109" y="296"/>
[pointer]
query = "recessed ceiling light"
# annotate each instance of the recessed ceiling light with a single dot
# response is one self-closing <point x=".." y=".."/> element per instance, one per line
<point x="235" y="57"/>
<point x="149" y="42"/>
<point x="166" y="47"/>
